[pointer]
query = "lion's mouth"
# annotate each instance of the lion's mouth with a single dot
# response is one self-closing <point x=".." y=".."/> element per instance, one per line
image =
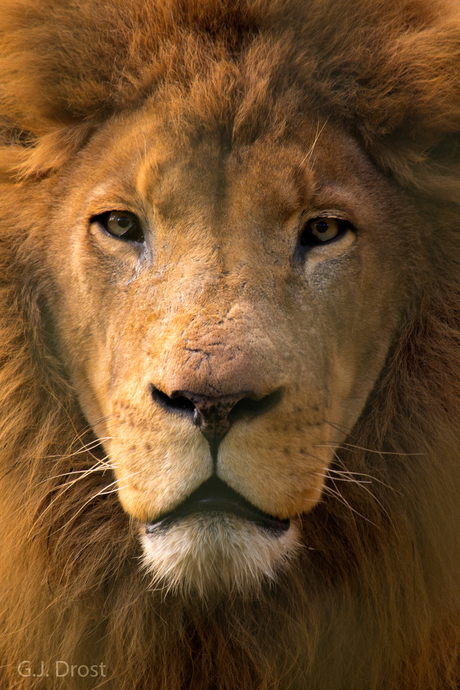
<point x="214" y="496"/>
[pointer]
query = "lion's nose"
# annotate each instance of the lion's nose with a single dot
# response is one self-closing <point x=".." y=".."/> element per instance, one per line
<point x="215" y="415"/>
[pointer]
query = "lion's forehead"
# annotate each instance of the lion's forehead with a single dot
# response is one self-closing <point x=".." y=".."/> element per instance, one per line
<point x="198" y="180"/>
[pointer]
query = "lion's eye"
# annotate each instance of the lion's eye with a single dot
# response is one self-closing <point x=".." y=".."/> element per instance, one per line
<point x="321" y="230"/>
<point x="124" y="225"/>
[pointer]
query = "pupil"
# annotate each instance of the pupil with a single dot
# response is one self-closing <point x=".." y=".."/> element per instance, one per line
<point x="322" y="226"/>
<point x="124" y="222"/>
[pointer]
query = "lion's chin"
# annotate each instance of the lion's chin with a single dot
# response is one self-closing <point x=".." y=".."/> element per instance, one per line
<point x="212" y="553"/>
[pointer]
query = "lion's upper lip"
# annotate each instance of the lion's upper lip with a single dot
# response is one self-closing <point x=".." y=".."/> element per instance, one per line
<point x="214" y="495"/>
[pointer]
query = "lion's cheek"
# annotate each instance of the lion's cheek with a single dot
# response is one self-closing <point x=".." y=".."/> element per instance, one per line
<point x="283" y="477"/>
<point x="155" y="472"/>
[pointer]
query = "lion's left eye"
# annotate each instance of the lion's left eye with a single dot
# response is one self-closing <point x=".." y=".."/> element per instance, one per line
<point x="321" y="230"/>
<point x="123" y="225"/>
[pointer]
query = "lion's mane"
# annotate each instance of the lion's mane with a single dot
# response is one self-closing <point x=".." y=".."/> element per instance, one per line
<point x="372" y="601"/>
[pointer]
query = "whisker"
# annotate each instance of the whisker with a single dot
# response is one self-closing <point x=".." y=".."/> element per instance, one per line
<point x="379" y="452"/>
<point x="344" y="477"/>
<point x="339" y="460"/>
<point x="88" y="447"/>
<point x="100" y="466"/>
<point x="102" y="492"/>
<point x="336" y="494"/>
<point x="365" y="488"/>
<point x="309" y="153"/>
<point x="62" y="489"/>
<point x="339" y="427"/>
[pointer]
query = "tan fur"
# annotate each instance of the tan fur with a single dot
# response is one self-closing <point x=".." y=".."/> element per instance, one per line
<point x="225" y="125"/>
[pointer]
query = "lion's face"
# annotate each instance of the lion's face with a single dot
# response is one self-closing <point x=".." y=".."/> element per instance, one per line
<point x="227" y="323"/>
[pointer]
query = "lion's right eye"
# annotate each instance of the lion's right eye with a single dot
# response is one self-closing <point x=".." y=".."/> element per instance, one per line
<point x="123" y="225"/>
<point x="322" y="230"/>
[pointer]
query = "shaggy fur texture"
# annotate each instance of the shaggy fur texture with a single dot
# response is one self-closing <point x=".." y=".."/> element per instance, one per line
<point x="373" y="600"/>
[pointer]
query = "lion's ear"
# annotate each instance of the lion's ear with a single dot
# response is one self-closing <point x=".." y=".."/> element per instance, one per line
<point x="432" y="168"/>
<point x="393" y="77"/>
<point x="25" y="155"/>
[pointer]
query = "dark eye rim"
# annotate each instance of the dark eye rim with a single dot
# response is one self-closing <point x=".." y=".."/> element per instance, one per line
<point x="307" y="239"/>
<point x="134" y="236"/>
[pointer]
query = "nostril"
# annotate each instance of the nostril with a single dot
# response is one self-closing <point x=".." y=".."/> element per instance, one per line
<point x="215" y="415"/>
<point x="176" y="403"/>
<point x="248" y="407"/>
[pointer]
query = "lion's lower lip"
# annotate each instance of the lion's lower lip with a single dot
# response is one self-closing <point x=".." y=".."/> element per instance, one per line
<point x="217" y="497"/>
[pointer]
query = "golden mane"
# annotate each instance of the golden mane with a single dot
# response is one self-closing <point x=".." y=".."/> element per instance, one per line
<point x="378" y="607"/>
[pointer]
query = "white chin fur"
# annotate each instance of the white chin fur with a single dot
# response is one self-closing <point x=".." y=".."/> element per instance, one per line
<point x="216" y="553"/>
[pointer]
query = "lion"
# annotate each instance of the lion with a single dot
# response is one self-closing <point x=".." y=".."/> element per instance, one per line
<point x="230" y="331"/>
